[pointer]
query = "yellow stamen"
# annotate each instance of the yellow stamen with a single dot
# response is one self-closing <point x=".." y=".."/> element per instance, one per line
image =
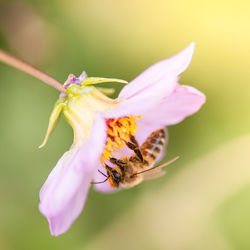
<point x="119" y="131"/>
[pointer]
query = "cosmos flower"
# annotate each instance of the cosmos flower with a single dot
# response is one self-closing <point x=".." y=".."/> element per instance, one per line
<point x="153" y="100"/>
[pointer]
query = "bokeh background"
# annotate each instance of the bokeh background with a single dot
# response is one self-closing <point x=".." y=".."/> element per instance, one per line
<point x="204" y="200"/>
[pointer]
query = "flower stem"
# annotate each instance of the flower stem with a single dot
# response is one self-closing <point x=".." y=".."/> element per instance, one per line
<point x="23" y="66"/>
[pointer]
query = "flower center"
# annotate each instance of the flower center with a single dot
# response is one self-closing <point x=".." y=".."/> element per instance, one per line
<point x="119" y="131"/>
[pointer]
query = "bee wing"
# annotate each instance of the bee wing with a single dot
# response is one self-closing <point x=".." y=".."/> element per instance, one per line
<point x="157" y="168"/>
<point x="164" y="164"/>
<point x="157" y="171"/>
<point x="154" y="174"/>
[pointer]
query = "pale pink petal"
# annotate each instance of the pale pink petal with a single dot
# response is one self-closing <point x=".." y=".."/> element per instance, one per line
<point x="63" y="195"/>
<point x="183" y="102"/>
<point x="144" y="99"/>
<point x="104" y="187"/>
<point x="154" y="84"/>
<point x="159" y="71"/>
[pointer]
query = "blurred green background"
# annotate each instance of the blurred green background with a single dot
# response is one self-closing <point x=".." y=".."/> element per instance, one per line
<point x="204" y="200"/>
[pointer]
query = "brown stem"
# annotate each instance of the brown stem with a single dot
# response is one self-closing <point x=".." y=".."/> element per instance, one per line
<point x="21" y="65"/>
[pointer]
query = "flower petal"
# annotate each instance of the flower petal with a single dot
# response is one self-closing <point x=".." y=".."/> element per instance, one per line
<point x="63" y="195"/>
<point x="154" y="84"/>
<point x="161" y="70"/>
<point x="183" y="102"/>
<point x="144" y="99"/>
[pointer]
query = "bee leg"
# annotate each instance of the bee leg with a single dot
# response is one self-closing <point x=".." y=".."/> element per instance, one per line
<point x="117" y="162"/>
<point x="139" y="154"/>
<point x="136" y="149"/>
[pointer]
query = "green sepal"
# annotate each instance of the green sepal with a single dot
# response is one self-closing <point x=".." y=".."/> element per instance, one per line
<point x="54" y="117"/>
<point x="96" y="80"/>
<point x="106" y="91"/>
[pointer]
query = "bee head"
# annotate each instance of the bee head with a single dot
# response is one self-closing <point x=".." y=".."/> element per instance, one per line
<point x="114" y="176"/>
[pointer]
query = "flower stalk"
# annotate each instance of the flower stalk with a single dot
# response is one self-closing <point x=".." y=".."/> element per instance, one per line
<point x="27" y="68"/>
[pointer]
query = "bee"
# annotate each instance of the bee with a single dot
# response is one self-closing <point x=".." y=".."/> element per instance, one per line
<point x="130" y="171"/>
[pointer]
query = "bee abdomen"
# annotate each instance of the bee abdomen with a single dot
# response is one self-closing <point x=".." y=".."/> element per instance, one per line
<point x="153" y="145"/>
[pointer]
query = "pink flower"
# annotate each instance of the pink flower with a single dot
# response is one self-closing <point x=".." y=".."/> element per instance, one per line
<point x="153" y="100"/>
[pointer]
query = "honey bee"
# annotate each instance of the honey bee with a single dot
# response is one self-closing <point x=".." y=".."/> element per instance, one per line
<point x="130" y="171"/>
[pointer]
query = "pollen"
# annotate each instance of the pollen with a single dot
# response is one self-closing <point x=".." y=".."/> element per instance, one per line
<point x="119" y="131"/>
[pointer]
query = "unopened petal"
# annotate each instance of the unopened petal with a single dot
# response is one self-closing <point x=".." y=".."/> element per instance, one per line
<point x="80" y="79"/>
<point x="159" y="71"/>
<point x="63" y="195"/>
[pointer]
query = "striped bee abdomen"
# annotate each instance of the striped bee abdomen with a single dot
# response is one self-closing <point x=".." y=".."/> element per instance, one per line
<point x="153" y="145"/>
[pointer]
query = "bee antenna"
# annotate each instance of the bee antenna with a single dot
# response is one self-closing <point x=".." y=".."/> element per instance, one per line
<point x="98" y="182"/>
<point x="102" y="173"/>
